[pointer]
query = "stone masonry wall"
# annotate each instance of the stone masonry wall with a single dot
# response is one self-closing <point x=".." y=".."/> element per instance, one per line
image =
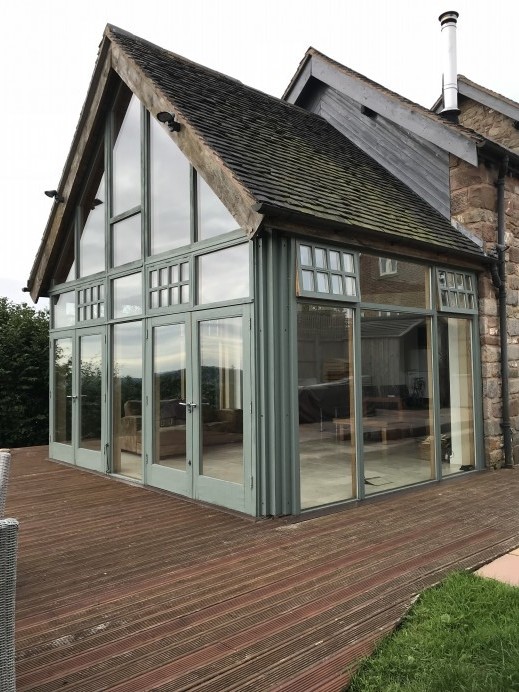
<point x="474" y="204"/>
<point x="489" y="123"/>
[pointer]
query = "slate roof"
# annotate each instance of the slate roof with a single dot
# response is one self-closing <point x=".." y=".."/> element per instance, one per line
<point x="289" y="159"/>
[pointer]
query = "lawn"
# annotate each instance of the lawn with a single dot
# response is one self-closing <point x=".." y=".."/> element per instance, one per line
<point x="461" y="636"/>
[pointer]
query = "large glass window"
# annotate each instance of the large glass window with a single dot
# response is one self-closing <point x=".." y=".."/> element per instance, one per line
<point x="326" y="412"/>
<point x="214" y="219"/>
<point x="456" y="394"/>
<point x="127" y="295"/>
<point x="224" y="275"/>
<point x="63" y="391"/>
<point x="221" y="398"/>
<point x="169" y="192"/>
<point x="393" y="282"/>
<point x="90" y="391"/>
<point x="126" y="240"/>
<point x="126" y="157"/>
<point x="127" y="399"/>
<point x="92" y="225"/>
<point x="397" y="400"/>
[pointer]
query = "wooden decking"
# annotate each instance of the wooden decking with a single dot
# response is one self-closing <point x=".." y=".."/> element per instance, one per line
<point x="124" y="588"/>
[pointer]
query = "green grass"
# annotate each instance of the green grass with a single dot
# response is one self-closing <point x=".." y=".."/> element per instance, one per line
<point x="461" y="636"/>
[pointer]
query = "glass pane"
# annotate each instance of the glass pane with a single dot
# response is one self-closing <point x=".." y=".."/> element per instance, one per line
<point x="468" y="282"/>
<point x="450" y="280"/>
<point x="154" y="299"/>
<point x="169" y="393"/>
<point x="92" y="240"/>
<point x="350" y="287"/>
<point x="224" y="275"/>
<point x="63" y="391"/>
<point x="174" y="295"/>
<point x="184" y="294"/>
<point x="127" y="159"/>
<point x="184" y="271"/>
<point x="308" y="280"/>
<point x="126" y="237"/>
<point x="164" y="297"/>
<point x="164" y="276"/>
<point x="337" y="284"/>
<point x="453" y="299"/>
<point x="322" y="283"/>
<point x="470" y="298"/>
<point x="460" y="283"/>
<point x="174" y="274"/>
<point x="326" y="415"/>
<point x="456" y="394"/>
<point x="320" y="258"/>
<point x="64" y="310"/>
<point x="214" y="218"/>
<point x="221" y="398"/>
<point x="347" y="261"/>
<point x="90" y="391"/>
<point x="462" y="300"/>
<point x="445" y="298"/>
<point x="396" y="400"/>
<point x="127" y="295"/>
<point x="127" y="399"/>
<point x="442" y="279"/>
<point x="306" y="255"/>
<point x="335" y="260"/>
<point x="407" y="286"/>
<point x="154" y="278"/>
<point x="169" y="193"/>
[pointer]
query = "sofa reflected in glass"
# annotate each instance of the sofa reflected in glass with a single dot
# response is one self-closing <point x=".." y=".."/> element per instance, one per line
<point x="221" y="426"/>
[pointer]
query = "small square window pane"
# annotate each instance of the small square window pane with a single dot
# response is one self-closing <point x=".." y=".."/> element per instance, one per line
<point x="164" y="298"/>
<point x="442" y="279"/>
<point x="93" y="293"/>
<point x="164" y="276"/>
<point x="154" y="278"/>
<point x="322" y="282"/>
<point x="462" y="300"/>
<point x="453" y="299"/>
<point x="154" y="299"/>
<point x="460" y="283"/>
<point x="450" y="280"/>
<point x="305" y="253"/>
<point x="350" y="287"/>
<point x="320" y="258"/>
<point x="308" y="280"/>
<point x="337" y="284"/>
<point x="468" y="282"/>
<point x="445" y="298"/>
<point x="101" y="291"/>
<point x="94" y="311"/>
<point x="470" y="301"/>
<point x="102" y="310"/>
<point x="174" y="296"/>
<point x="184" y="271"/>
<point x="86" y="313"/>
<point x="184" y="293"/>
<point x="174" y="274"/>
<point x="335" y="260"/>
<point x="347" y="261"/>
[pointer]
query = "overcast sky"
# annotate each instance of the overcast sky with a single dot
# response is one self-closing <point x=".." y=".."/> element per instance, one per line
<point x="48" y="51"/>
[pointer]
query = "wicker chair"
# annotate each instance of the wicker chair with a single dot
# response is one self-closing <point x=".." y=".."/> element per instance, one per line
<point x="8" y="549"/>
<point x="5" y="464"/>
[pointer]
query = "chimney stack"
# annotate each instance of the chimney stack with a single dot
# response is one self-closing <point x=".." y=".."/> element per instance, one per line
<point x="448" y="22"/>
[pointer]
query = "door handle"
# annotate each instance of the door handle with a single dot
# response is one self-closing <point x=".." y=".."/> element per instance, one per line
<point x="188" y="404"/>
<point x="71" y="396"/>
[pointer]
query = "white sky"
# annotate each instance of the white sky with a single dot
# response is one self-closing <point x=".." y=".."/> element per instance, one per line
<point x="48" y="51"/>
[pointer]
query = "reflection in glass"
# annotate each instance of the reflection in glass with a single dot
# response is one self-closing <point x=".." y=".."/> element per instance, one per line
<point x="397" y="400"/>
<point x="456" y="394"/>
<point x="63" y="391"/>
<point x="170" y="194"/>
<point x="64" y="308"/>
<point x="224" y="275"/>
<point x="407" y="286"/>
<point x="92" y="234"/>
<point x="127" y="399"/>
<point x="169" y="396"/>
<point x="126" y="238"/>
<point x="90" y="386"/>
<point x="214" y="219"/>
<point x="221" y="398"/>
<point x="326" y="416"/>
<point x="127" y="295"/>
<point x="126" y="159"/>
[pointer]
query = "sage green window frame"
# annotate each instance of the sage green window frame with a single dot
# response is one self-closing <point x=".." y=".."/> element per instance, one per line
<point x="91" y="298"/>
<point x="342" y="273"/>
<point x="462" y="289"/>
<point x="174" y="281"/>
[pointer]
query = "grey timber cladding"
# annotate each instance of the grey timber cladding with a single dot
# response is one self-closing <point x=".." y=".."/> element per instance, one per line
<point x="422" y="166"/>
<point x="289" y="159"/>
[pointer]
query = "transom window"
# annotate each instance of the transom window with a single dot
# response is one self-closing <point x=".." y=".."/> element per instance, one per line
<point x="457" y="290"/>
<point x="169" y="285"/>
<point x="91" y="303"/>
<point x="326" y="272"/>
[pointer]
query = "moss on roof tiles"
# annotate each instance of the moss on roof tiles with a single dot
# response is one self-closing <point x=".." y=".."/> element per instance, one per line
<point x="287" y="157"/>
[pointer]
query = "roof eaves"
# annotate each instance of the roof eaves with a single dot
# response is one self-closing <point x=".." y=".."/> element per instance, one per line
<point x="487" y="97"/>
